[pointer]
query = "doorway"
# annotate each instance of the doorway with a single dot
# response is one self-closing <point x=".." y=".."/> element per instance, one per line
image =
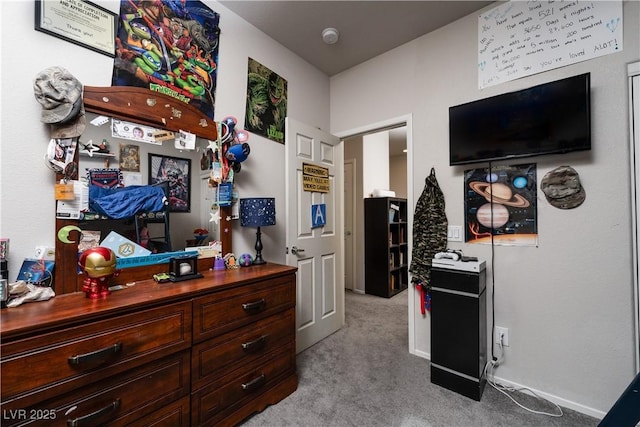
<point x="400" y="177"/>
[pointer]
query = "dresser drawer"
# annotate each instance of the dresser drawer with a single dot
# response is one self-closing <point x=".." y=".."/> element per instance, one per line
<point x="176" y="414"/>
<point x="220" y="312"/>
<point x="36" y="369"/>
<point x="220" y="398"/>
<point x="117" y="401"/>
<point x="240" y="347"/>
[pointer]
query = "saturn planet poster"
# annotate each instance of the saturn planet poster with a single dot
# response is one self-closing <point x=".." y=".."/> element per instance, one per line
<point x="500" y="205"/>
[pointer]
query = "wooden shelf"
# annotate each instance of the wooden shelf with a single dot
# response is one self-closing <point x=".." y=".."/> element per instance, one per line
<point x="86" y="154"/>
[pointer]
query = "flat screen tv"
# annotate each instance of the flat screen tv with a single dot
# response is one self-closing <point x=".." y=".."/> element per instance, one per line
<point x="550" y="118"/>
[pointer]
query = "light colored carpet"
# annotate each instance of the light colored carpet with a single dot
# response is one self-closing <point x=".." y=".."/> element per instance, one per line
<point x="363" y="375"/>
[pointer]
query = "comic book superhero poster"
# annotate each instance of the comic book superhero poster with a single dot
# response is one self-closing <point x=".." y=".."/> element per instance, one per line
<point x="171" y="47"/>
<point x="500" y="205"/>
<point x="266" y="102"/>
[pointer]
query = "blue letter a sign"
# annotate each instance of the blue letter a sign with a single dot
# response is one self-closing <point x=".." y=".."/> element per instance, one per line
<point x="318" y="215"/>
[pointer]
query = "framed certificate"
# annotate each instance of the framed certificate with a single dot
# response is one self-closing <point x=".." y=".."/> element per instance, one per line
<point x="80" y="22"/>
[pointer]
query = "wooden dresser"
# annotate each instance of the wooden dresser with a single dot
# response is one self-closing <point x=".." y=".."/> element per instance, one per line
<point x="208" y="351"/>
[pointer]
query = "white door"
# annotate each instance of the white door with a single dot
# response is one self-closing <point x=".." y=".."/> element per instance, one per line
<point x="316" y="251"/>
<point x="349" y="222"/>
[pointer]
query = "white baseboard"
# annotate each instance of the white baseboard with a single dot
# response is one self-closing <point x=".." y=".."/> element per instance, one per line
<point x="422" y="354"/>
<point x="565" y="403"/>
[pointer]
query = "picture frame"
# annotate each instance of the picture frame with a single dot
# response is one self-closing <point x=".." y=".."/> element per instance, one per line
<point x="129" y="158"/>
<point x="80" y="22"/>
<point x="176" y="172"/>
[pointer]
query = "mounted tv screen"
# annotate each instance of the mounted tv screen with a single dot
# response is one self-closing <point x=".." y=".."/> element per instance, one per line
<point x="550" y="118"/>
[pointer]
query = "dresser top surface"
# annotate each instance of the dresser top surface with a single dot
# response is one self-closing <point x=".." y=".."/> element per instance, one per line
<point x="69" y="308"/>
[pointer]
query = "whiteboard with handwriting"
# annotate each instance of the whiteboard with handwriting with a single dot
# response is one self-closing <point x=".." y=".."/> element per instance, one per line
<point x="521" y="38"/>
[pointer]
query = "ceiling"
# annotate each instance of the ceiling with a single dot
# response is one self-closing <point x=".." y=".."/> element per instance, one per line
<point x="366" y="28"/>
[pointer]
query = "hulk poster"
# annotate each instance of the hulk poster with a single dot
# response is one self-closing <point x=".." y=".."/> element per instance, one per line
<point x="266" y="102"/>
<point x="170" y="47"/>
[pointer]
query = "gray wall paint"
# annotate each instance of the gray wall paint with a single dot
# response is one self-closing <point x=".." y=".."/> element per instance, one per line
<point x="398" y="175"/>
<point x="568" y="302"/>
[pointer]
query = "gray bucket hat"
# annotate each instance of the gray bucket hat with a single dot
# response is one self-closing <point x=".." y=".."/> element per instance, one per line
<point x="60" y="95"/>
<point x="562" y="188"/>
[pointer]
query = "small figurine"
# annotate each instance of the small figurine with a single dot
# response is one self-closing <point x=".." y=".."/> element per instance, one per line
<point x="230" y="261"/>
<point x="245" y="260"/>
<point x="99" y="264"/>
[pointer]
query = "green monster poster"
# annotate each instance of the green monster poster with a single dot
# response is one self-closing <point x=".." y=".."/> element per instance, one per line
<point x="266" y="102"/>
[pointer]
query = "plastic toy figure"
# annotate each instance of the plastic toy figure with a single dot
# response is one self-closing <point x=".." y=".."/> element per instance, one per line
<point x="99" y="264"/>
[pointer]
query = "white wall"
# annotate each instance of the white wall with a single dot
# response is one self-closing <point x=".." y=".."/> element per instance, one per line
<point x="375" y="158"/>
<point x="26" y="186"/>
<point x="568" y="301"/>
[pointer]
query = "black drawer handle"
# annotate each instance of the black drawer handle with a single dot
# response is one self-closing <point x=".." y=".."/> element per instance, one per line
<point x="254" y="306"/>
<point x="98" y="355"/>
<point x="254" y="383"/>
<point x="90" y="419"/>
<point x="256" y="344"/>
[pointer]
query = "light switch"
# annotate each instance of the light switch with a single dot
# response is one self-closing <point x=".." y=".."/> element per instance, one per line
<point x="454" y="233"/>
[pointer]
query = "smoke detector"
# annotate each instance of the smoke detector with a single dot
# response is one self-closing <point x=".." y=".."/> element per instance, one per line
<point x="330" y="35"/>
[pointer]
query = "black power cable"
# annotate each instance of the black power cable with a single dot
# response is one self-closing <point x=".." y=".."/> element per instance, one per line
<point x="493" y="280"/>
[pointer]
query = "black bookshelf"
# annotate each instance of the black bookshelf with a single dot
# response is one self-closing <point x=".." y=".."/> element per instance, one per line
<point x="386" y="249"/>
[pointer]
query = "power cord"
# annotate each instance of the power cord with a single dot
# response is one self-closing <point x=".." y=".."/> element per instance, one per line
<point x="489" y="370"/>
<point x="495" y="362"/>
<point x="493" y="275"/>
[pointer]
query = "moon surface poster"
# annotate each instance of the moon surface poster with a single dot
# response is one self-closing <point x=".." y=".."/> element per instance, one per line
<point x="501" y="205"/>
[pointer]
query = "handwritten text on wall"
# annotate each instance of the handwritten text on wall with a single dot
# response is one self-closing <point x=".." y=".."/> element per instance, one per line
<point x="521" y="38"/>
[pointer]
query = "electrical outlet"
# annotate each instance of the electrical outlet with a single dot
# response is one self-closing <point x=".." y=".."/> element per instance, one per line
<point x="504" y="333"/>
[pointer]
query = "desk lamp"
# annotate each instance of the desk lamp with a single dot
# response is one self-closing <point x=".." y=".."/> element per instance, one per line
<point x="258" y="212"/>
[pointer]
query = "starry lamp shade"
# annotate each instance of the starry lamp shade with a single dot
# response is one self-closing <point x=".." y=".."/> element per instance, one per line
<point x="258" y="212"/>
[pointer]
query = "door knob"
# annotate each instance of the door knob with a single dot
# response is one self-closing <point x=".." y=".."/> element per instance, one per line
<point x="295" y="250"/>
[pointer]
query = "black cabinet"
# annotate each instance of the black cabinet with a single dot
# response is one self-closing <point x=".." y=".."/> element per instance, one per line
<point x="459" y="330"/>
<point x="385" y="241"/>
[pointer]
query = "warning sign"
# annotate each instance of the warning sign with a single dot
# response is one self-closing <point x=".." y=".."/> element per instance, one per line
<point x="315" y="183"/>
<point x="315" y="178"/>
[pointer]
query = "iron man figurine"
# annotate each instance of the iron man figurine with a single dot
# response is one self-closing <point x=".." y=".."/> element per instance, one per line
<point x="99" y="264"/>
